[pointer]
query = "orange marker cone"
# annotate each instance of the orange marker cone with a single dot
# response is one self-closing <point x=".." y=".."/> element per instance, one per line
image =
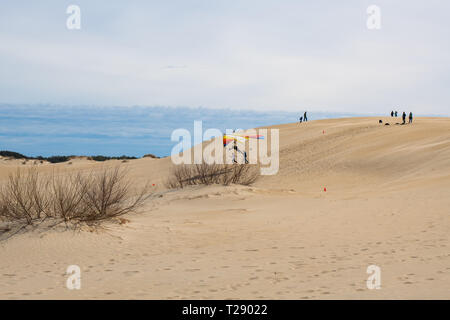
<point x="325" y="189"/>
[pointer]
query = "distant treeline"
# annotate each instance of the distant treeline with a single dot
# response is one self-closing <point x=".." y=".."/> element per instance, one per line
<point x="58" y="159"/>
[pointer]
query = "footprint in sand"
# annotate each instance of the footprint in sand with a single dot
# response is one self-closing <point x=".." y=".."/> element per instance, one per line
<point x="9" y="275"/>
<point x="130" y="273"/>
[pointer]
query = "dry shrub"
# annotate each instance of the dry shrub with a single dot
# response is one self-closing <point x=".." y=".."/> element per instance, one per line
<point x="207" y="174"/>
<point x="108" y="194"/>
<point x="243" y="174"/>
<point x="71" y="197"/>
<point x="66" y="194"/>
<point x="21" y="198"/>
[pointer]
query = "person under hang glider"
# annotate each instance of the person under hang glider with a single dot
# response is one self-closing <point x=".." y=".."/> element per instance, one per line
<point x="234" y="138"/>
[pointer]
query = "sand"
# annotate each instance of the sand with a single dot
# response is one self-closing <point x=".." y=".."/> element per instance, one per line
<point x="387" y="204"/>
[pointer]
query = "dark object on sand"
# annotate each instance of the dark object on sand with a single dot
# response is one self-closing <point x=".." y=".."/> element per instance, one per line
<point x="380" y="121"/>
<point x="105" y="158"/>
<point x="387" y="124"/>
<point x="11" y="154"/>
<point x="151" y="156"/>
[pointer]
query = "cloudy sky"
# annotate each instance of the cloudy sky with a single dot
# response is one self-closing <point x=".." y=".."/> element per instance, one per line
<point x="264" y="55"/>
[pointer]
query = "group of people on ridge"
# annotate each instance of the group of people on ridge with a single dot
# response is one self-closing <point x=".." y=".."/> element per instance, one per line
<point x="304" y="118"/>
<point x="395" y="113"/>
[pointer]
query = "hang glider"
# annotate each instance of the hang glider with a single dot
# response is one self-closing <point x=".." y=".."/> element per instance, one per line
<point x="239" y="138"/>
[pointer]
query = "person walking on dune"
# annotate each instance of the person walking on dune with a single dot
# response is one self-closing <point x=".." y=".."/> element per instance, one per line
<point x="304" y="117"/>
<point x="396" y="113"/>
<point x="392" y="113"/>
<point x="404" y="117"/>
<point x="410" y="117"/>
<point x="301" y="119"/>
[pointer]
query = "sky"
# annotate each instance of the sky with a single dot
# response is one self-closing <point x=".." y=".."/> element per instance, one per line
<point x="284" y="55"/>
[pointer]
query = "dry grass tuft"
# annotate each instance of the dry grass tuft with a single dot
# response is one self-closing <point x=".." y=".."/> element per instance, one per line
<point x="28" y="197"/>
<point x="207" y="174"/>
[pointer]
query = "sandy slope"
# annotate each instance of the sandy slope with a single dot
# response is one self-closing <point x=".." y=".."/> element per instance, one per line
<point x="387" y="203"/>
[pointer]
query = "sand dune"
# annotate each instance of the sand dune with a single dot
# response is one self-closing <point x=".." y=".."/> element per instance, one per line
<point x="387" y="204"/>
